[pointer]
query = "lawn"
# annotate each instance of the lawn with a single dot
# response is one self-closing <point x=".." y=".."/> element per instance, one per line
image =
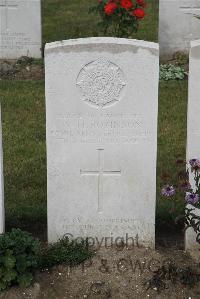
<point x="65" y="19"/>
<point x="23" y="107"/>
<point x="24" y="151"/>
<point x="172" y="121"/>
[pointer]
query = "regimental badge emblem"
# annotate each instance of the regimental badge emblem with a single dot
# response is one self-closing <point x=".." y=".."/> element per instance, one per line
<point x="101" y="83"/>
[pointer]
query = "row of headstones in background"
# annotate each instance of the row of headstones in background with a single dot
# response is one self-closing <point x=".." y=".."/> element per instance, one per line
<point x="20" y="29"/>
<point x="177" y="25"/>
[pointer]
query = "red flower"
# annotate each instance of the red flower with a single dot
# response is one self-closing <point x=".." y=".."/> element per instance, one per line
<point x="127" y="4"/>
<point x="110" y="8"/>
<point x="141" y="3"/>
<point x="138" y="13"/>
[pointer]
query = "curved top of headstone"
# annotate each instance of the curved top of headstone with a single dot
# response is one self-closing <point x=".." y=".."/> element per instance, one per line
<point x="95" y="41"/>
<point x="195" y="49"/>
<point x="195" y="43"/>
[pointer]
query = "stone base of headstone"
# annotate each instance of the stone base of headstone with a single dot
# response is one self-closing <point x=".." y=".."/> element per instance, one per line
<point x="192" y="247"/>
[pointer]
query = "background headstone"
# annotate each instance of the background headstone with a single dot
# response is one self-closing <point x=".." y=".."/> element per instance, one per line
<point x="193" y="131"/>
<point x="2" y="219"/>
<point x="101" y="105"/>
<point x="20" y="29"/>
<point x="177" y="25"/>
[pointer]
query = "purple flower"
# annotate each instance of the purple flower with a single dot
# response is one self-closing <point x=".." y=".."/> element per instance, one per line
<point x="195" y="164"/>
<point x="191" y="198"/>
<point x="168" y="190"/>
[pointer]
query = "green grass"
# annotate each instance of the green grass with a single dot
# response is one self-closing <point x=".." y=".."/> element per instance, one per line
<point x="65" y="19"/>
<point x="65" y="252"/>
<point x="24" y="152"/>
<point x="25" y="155"/>
<point x="171" y="143"/>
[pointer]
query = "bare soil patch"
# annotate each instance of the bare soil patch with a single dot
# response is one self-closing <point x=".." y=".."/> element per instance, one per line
<point x="111" y="273"/>
<point x="24" y="68"/>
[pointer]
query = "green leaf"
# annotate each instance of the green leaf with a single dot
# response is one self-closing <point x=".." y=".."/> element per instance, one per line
<point x="19" y="254"/>
<point x="171" y="72"/>
<point x="9" y="275"/>
<point x="9" y="261"/>
<point x="3" y="285"/>
<point x="25" y="280"/>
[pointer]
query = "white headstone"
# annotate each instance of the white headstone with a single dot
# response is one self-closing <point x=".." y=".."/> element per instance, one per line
<point x="193" y="131"/>
<point x="20" y="29"/>
<point x="177" y="25"/>
<point x="2" y="217"/>
<point x="101" y="105"/>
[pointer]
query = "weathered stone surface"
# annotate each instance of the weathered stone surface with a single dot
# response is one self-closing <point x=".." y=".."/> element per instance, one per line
<point x="2" y="219"/>
<point x="101" y="109"/>
<point x="20" y="30"/>
<point x="177" y="25"/>
<point x="193" y="132"/>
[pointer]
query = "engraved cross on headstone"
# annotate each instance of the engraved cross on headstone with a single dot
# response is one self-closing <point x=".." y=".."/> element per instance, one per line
<point x="100" y="172"/>
<point x="6" y="5"/>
